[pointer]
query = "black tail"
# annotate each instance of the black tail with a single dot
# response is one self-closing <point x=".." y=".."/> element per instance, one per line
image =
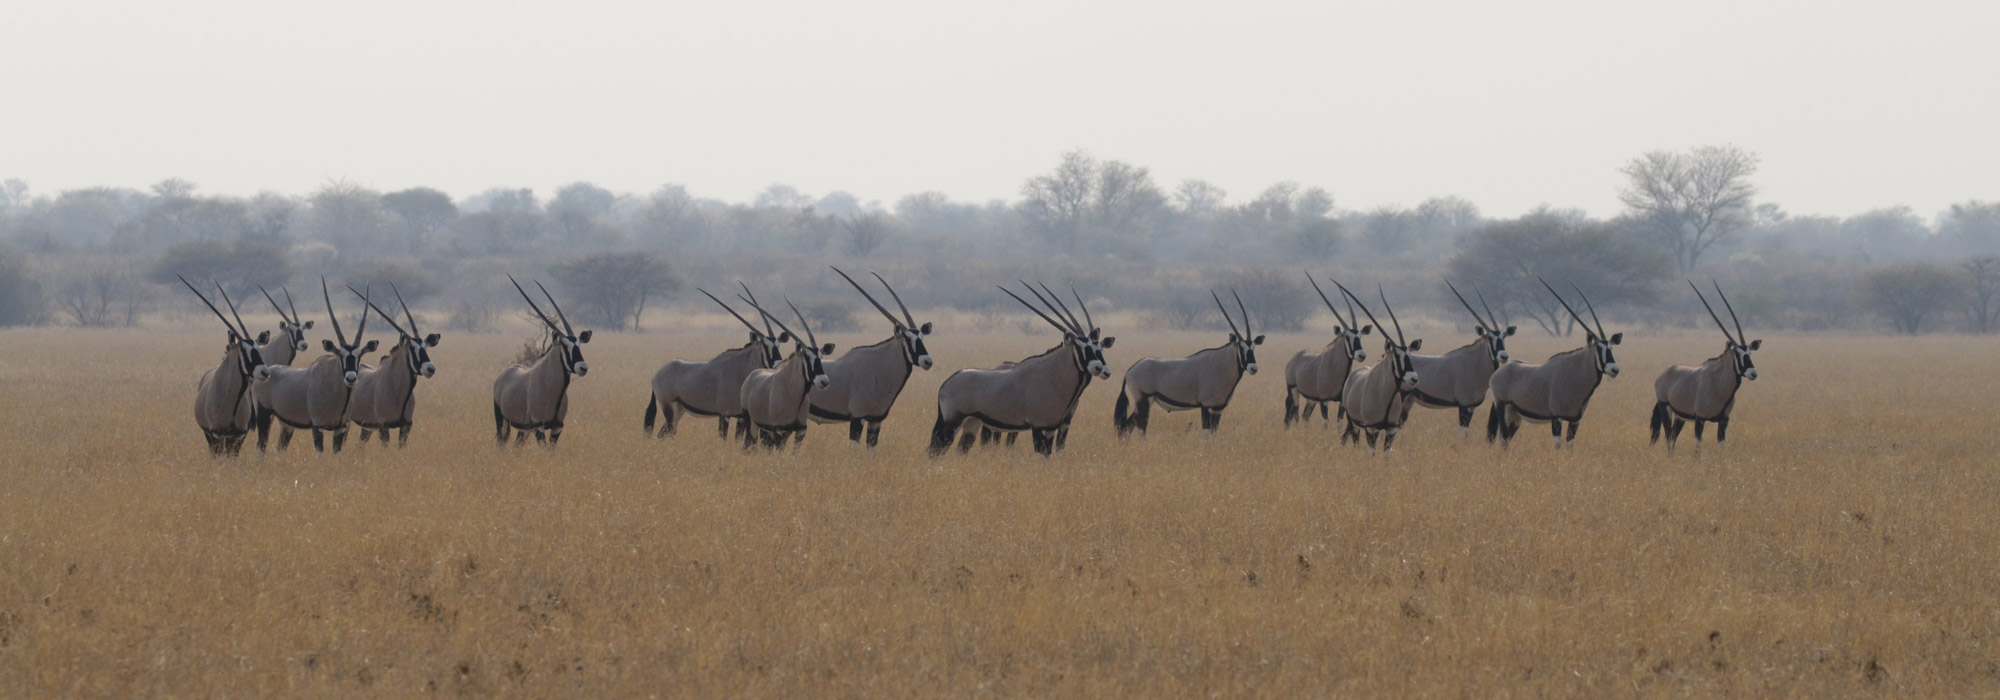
<point x="1291" y="405"/>
<point x="652" y="404"/>
<point x="942" y="433"/>
<point x="1660" y="418"/>
<point x="499" y="425"/>
<point x="1493" y="421"/>
<point x="1121" y="415"/>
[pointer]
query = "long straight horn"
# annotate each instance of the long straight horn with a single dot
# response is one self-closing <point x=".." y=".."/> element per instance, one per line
<point x="1711" y="311"/>
<point x="1329" y="302"/>
<point x="274" y="305"/>
<point x="363" y="328"/>
<point x="1740" y="338"/>
<point x="1225" y="314"/>
<point x="1074" y="322"/>
<point x="725" y="307"/>
<point x="244" y="327"/>
<point x="1085" y="307"/>
<point x="290" y="303"/>
<point x="1468" y="305"/>
<point x="1564" y="302"/>
<point x="810" y="338"/>
<point x="337" y="333"/>
<point x="752" y="299"/>
<point x="567" y="330"/>
<point x="532" y="305"/>
<point x="406" y="313"/>
<point x="1244" y="310"/>
<point x="1495" y="318"/>
<point x="1591" y="307"/>
<point x="1353" y="301"/>
<point x="1392" y="314"/>
<point x="1068" y="325"/>
<point x="770" y="319"/>
<point x="912" y="320"/>
<point x="869" y="297"/>
<point x="210" y="304"/>
<point x="386" y="316"/>
<point x="1038" y="312"/>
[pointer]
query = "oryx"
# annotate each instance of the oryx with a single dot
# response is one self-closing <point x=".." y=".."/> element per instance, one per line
<point x="1038" y="394"/>
<point x="1376" y="400"/>
<point x="1459" y="379"/>
<point x="536" y="397"/>
<point x="279" y="352"/>
<point x="386" y="397"/>
<point x="775" y="400"/>
<point x="714" y="388"/>
<point x="1557" y="390"/>
<point x="867" y="380"/>
<point x="222" y="403"/>
<point x="1205" y="380"/>
<point x="315" y="397"/>
<point x="1316" y="379"/>
<point x="1705" y="393"/>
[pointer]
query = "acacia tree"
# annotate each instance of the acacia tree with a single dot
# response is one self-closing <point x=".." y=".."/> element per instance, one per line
<point x="613" y="288"/>
<point x="1983" y="297"/>
<point x="1085" y="198"/>
<point x="1505" y="258"/>
<point x="1686" y="202"/>
<point x="101" y="296"/>
<point x="866" y="232"/>
<point x="1909" y="294"/>
<point x="424" y="212"/>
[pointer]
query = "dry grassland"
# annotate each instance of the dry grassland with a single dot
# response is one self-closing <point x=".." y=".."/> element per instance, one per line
<point x="1843" y="546"/>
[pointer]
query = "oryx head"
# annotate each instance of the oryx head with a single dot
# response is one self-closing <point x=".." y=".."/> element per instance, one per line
<point x="249" y="361"/>
<point x="806" y="347"/>
<point x="289" y="324"/>
<point x="409" y="340"/>
<point x="1346" y="328"/>
<point x="1599" y="343"/>
<point x="1739" y="350"/>
<point x="1488" y="328"/>
<point x="1396" y="351"/>
<point x="907" y="331"/>
<point x="1085" y="340"/>
<point x="1245" y="346"/>
<point x="348" y="353"/>
<point x="563" y="338"/>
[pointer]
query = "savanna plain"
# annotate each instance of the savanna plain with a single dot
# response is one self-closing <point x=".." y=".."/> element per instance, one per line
<point x="1842" y="545"/>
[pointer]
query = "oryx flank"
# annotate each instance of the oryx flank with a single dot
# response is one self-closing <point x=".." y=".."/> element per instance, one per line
<point x="287" y="344"/>
<point x="1705" y="393"/>
<point x="386" y="397"/>
<point x="536" y="397"/>
<point x="1037" y="395"/>
<point x="775" y="400"/>
<point x="1459" y="379"/>
<point x="1316" y="379"/>
<point x="1557" y="390"/>
<point x="315" y="397"/>
<point x="1205" y="380"/>
<point x="1376" y="400"/>
<point x="222" y="404"/>
<point x="867" y="380"/>
<point x="714" y="388"/>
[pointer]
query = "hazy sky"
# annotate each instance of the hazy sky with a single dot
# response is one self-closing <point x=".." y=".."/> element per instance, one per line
<point x="1509" y="104"/>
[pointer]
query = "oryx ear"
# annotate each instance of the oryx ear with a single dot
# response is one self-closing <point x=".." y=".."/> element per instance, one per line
<point x="326" y="343"/>
<point x="1758" y="343"/>
<point x="1617" y="338"/>
<point x="755" y="336"/>
<point x="1258" y="341"/>
<point x="1095" y="332"/>
<point x="1416" y="345"/>
<point x="826" y="349"/>
<point x="307" y="324"/>
<point x="1235" y="338"/>
<point x="372" y="344"/>
<point x="926" y="330"/>
<point x="1510" y="330"/>
<point x="263" y="337"/>
<point x="431" y="340"/>
<point x="1479" y="328"/>
<point x="583" y="337"/>
<point x="1109" y="341"/>
<point x="785" y="336"/>
<point x="1370" y="328"/>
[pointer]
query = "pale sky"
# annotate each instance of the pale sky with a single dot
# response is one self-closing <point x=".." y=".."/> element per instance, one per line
<point x="1509" y="104"/>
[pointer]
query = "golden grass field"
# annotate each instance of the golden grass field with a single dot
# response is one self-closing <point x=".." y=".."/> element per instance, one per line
<point x="1845" y="544"/>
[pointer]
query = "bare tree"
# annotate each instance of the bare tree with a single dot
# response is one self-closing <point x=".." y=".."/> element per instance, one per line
<point x="613" y="288"/>
<point x="1056" y="205"/>
<point x="101" y="296"/>
<point x="1983" y="308"/>
<point x="346" y="214"/>
<point x="424" y="212"/>
<point x="1908" y="294"/>
<point x="866" y="232"/>
<point x="1688" y="202"/>
<point x="1199" y="197"/>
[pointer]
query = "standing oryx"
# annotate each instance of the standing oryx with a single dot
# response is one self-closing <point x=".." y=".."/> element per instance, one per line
<point x="775" y="400"/>
<point x="1557" y="390"/>
<point x="1705" y="393"/>
<point x="386" y="397"/>
<point x="1038" y="394"/>
<point x="1317" y="379"/>
<point x="1205" y="380"/>
<point x="1458" y="379"/>
<point x="867" y="380"/>
<point x="222" y="403"/>
<point x="536" y="397"/>
<point x="1376" y="400"/>
<point x="287" y="344"/>
<point x="714" y="388"/>
<point x="315" y="397"/>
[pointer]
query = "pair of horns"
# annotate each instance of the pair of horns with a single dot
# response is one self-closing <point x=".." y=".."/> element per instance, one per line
<point x="1492" y="322"/>
<point x="808" y="339"/>
<point x="767" y="331"/>
<point x="1371" y="315"/>
<point x="241" y="330"/>
<point x="1070" y="324"/>
<point x="565" y="327"/>
<point x="1351" y="321"/>
<point x="908" y="320"/>
<point x="294" y="317"/>
<point x="336" y="317"/>
<point x="391" y="318"/>
<point x="1245" y="333"/>
<point x="1738" y="339"/>
<point x="1572" y="312"/>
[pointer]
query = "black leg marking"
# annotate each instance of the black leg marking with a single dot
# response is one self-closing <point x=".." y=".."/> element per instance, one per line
<point x="854" y="428"/>
<point x="874" y="433"/>
<point x="1697" y="431"/>
<point x="1465" y="417"/>
<point x="340" y="439"/>
<point x="284" y="437"/>
<point x="1142" y="415"/>
<point x="319" y="441"/>
<point x="1572" y="432"/>
<point x="402" y="436"/>
<point x="1721" y="430"/>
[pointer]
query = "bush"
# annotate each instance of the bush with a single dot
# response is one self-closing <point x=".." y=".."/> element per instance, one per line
<point x="611" y="289"/>
<point x="1909" y="293"/>
<point x="239" y="267"/>
<point x="20" y="293"/>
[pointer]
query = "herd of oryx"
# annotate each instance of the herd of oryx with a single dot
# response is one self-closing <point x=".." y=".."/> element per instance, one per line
<point x="774" y="395"/>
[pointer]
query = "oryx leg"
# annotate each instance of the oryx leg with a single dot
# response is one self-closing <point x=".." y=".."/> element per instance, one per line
<point x="854" y="428"/>
<point x="965" y="440"/>
<point x="319" y="441"/>
<point x="1464" y="422"/>
<point x="1697" y="433"/>
<point x="1556" y="430"/>
<point x="1011" y="437"/>
<point x="263" y="422"/>
<point x="521" y="437"/>
<point x="798" y="438"/>
<point x="340" y="438"/>
<point x="402" y="436"/>
<point x="1571" y="440"/>
<point x="1062" y="436"/>
<point x="1045" y="442"/>
<point x="1210" y="420"/>
<point x="234" y="443"/>
<point x="722" y="428"/>
<point x="214" y="448"/>
<point x="986" y="436"/>
<point x="499" y="426"/>
<point x="743" y="427"/>
<point x="874" y="433"/>
<point x="284" y="437"/>
<point x="1721" y="431"/>
<point x="749" y="439"/>
<point x="541" y="436"/>
<point x="1323" y="420"/>
<point x="1142" y="414"/>
<point x="1291" y="405"/>
<point x="1389" y="438"/>
<point x="1372" y="434"/>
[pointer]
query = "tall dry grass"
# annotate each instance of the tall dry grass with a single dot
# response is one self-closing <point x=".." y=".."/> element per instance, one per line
<point x="1841" y="546"/>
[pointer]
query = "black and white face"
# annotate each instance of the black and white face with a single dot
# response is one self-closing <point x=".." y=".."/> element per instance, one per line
<point x="1745" y="368"/>
<point x="1090" y="353"/>
<point x="1496" y="342"/>
<point x="1399" y="358"/>
<point x="774" y="348"/>
<point x="1601" y="349"/>
<point x="297" y="332"/>
<point x="1356" y="353"/>
<point x="572" y="351"/>
<point x="913" y="345"/>
<point x="815" y="364"/>
<point x="349" y="357"/>
<point x="249" y="360"/>
<point x="420" y="354"/>
<point x="1246" y="352"/>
